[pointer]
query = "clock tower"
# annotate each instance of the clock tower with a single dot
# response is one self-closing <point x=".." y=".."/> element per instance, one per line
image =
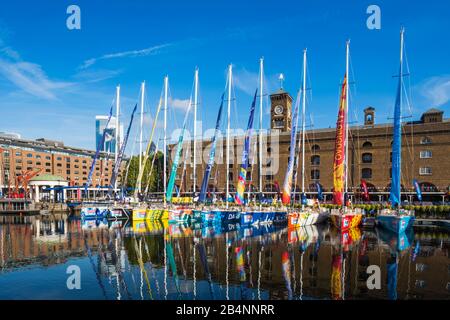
<point x="280" y="111"/>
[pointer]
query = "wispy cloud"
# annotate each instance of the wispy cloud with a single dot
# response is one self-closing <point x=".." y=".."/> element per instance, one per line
<point x="30" y="78"/>
<point x="27" y="76"/>
<point x="248" y="81"/>
<point x="126" y="54"/>
<point x="179" y="104"/>
<point x="435" y="90"/>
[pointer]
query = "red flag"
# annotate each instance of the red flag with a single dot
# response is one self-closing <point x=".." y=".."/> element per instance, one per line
<point x="365" y="190"/>
<point x="339" y="149"/>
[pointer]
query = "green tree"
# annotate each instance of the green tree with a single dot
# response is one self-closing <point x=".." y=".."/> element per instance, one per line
<point x="153" y="179"/>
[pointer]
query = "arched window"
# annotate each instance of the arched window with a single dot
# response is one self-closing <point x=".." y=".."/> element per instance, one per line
<point x="367" y="158"/>
<point x="315" y="148"/>
<point x="366" y="173"/>
<point x="367" y="145"/>
<point x="269" y="150"/>
<point x="428" y="187"/>
<point x="315" y="174"/>
<point x="315" y="160"/>
<point x="425" y="140"/>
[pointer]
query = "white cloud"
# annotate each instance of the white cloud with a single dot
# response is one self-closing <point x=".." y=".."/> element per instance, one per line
<point x="132" y="53"/>
<point x="435" y="90"/>
<point x="179" y="104"/>
<point x="30" y="78"/>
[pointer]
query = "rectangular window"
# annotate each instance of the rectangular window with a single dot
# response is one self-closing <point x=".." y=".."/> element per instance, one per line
<point x="427" y="154"/>
<point x="425" y="171"/>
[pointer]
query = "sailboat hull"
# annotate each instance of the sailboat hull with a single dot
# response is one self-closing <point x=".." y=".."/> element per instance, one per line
<point x="397" y="224"/>
<point x="180" y="215"/>
<point x="306" y="218"/>
<point x="346" y="221"/>
<point x="226" y="216"/>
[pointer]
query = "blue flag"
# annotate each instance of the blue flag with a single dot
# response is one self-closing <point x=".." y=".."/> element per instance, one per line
<point x="319" y="192"/>
<point x="417" y="188"/>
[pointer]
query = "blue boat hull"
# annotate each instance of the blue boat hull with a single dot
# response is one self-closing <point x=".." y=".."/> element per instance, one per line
<point x="250" y="218"/>
<point x="397" y="224"/>
<point x="221" y="217"/>
<point x="280" y="217"/>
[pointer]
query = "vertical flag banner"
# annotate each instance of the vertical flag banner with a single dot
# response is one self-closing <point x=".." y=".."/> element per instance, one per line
<point x="417" y="188"/>
<point x="365" y="190"/>
<point x="339" y="149"/>
<point x="287" y="185"/>
<point x="239" y="198"/>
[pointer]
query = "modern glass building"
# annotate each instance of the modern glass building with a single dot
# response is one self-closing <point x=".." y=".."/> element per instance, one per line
<point x="109" y="145"/>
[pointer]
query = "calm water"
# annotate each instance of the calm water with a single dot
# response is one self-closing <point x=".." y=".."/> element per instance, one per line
<point x="153" y="261"/>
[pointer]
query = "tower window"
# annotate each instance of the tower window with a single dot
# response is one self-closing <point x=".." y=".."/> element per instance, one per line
<point x="315" y="160"/>
<point x="425" y="171"/>
<point x="367" y="158"/>
<point x="315" y="148"/>
<point x="367" y="145"/>
<point x="426" y="154"/>
<point x="425" y="140"/>
<point x="366" y="173"/>
<point x="315" y="174"/>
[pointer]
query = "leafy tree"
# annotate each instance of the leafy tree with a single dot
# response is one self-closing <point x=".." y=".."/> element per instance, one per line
<point x="153" y="179"/>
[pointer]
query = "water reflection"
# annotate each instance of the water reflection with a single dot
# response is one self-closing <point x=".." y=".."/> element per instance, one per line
<point x="155" y="260"/>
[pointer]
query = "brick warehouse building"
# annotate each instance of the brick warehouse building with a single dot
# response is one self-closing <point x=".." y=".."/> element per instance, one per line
<point x="425" y="155"/>
<point x="52" y="157"/>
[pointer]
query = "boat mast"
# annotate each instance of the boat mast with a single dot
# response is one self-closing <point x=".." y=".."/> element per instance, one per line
<point x="261" y="94"/>
<point x="230" y="75"/>
<point x="116" y="153"/>
<point x="402" y="33"/>
<point x="303" y="124"/>
<point x="346" y="120"/>
<point x="141" y="125"/>
<point x="166" y="85"/>
<point x="195" y="131"/>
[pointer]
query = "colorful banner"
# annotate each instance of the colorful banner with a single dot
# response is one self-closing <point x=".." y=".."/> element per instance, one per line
<point x="240" y="189"/>
<point x="122" y="152"/>
<point x="395" y="194"/>
<point x="417" y="188"/>
<point x="339" y="149"/>
<point x="336" y="277"/>
<point x="240" y="263"/>
<point x="365" y="190"/>
<point x="287" y="185"/>
<point x="212" y="154"/>
<point x="319" y="191"/>
<point x="176" y="159"/>
<point x="286" y="264"/>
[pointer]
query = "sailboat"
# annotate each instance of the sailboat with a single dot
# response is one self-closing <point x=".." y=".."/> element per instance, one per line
<point x="222" y="215"/>
<point x="258" y="216"/>
<point x="178" y="213"/>
<point x="198" y="214"/>
<point x="307" y="215"/>
<point x="142" y="211"/>
<point x="343" y="218"/>
<point x="397" y="219"/>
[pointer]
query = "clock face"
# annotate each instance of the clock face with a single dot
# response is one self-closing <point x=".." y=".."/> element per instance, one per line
<point x="278" y="110"/>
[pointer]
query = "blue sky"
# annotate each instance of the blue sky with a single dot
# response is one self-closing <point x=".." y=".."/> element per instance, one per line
<point x="53" y="81"/>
